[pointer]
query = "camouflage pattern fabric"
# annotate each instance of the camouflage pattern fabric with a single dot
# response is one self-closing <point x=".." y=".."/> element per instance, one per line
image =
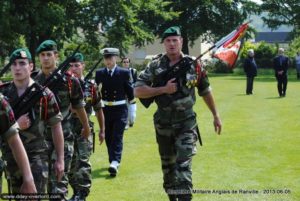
<point x="175" y="125"/>
<point x="80" y="174"/>
<point x="8" y="128"/>
<point x="45" y="113"/>
<point x="68" y="94"/>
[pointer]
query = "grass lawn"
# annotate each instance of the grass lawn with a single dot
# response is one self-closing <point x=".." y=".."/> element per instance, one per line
<point x="258" y="150"/>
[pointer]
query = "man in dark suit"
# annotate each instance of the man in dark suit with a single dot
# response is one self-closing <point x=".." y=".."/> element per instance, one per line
<point x="116" y="89"/>
<point x="281" y="64"/>
<point x="250" y="69"/>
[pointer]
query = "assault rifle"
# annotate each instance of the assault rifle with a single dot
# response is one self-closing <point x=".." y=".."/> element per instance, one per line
<point x="175" y="71"/>
<point x="33" y="93"/>
<point x="90" y="73"/>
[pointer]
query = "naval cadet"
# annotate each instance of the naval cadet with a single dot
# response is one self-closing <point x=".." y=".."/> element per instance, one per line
<point x="116" y="89"/>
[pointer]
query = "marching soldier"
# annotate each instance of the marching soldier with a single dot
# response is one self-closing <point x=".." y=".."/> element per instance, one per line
<point x="175" y="121"/>
<point x="80" y="175"/>
<point x="9" y="132"/>
<point x="115" y="90"/>
<point x="32" y="125"/>
<point x="69" y="94"/>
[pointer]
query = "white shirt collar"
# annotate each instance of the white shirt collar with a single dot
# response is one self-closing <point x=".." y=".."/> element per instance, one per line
<point x="112" y="70"/>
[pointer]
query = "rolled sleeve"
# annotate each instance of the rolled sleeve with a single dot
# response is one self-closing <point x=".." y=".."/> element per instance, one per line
<point x="204" y="86"/>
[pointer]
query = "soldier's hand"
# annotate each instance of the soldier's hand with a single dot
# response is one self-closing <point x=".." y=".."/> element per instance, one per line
<point x="28" y="187"/>
<point x="101" y="136"/>
<point x="59" y="167"/>
<point x="85" y="132"/>
<point x="171" y="86"/>
<point x="217" y="124"/>
<point x="24" y="121"/>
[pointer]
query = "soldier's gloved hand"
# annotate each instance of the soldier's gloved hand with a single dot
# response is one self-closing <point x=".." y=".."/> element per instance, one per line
<point x="101" y="136"/>
<point x="131" y="114"/>
<point x="24" y="121"/>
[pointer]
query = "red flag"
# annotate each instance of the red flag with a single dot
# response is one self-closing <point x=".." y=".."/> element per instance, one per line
<point x="227" y="49"/>
<point x="228" y="55"/>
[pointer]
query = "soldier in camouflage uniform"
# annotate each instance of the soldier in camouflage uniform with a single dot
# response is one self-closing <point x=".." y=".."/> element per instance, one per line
<point x="32" y="125"/>
<point x="175" y="121"/>
<point x="80" y="175"/>
<point x="69" y="95"/>
<point x="9" y="133"/>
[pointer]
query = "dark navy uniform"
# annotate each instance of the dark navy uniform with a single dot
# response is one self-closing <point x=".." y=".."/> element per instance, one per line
<point x="280" y="64"/>
<point x="115" y="90"/>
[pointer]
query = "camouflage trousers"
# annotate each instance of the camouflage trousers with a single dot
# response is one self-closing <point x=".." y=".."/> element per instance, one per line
<point x="177" y="145"/>
<point x="39" y="168"/>
<point x="80" y="175"/>
<point x="53" y="185"/>
<point x="2" y="166"/>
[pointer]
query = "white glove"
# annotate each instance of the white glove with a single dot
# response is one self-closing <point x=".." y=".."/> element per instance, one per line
<point x="131" y="114"/>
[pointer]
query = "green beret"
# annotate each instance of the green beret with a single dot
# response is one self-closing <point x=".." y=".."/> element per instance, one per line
<point x="21" y="53"/>
<point x="47" y="45"/>
<point x="78" y="57"/>
<point x="110" y="51"/>
<point x="172" y="31"/>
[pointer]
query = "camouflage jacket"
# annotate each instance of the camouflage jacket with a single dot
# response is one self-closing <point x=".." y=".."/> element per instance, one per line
<point x="177" y="106"/>
<point x="8" y="124"/>
<point x="44" y="113"/>
<point x="68" y="94"/>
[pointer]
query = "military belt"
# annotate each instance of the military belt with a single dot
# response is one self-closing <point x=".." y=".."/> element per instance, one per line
<point x="114" y="103"/>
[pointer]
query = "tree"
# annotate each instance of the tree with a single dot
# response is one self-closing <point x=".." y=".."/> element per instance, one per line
<point x="211" y="19"/>
<point x="282" y="12"/>
<point x="126" y="22"/>
<point x="94" y="23"/>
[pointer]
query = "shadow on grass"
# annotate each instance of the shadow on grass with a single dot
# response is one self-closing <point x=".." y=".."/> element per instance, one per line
<point x="277" y="97"/>
<point x="101" y="173"/>
<point x="262" y="79"/>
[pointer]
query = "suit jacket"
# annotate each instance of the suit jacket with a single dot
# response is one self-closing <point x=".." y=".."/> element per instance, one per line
<point x="116" y="87"/>
<point x="250" y="67"/>
<point x="281" y="63"/>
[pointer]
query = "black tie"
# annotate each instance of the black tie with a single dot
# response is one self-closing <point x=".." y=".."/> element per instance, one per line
<point x="110" y="72"/>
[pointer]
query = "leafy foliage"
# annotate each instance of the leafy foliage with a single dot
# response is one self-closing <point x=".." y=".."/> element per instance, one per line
<point x="282" y="12"/>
